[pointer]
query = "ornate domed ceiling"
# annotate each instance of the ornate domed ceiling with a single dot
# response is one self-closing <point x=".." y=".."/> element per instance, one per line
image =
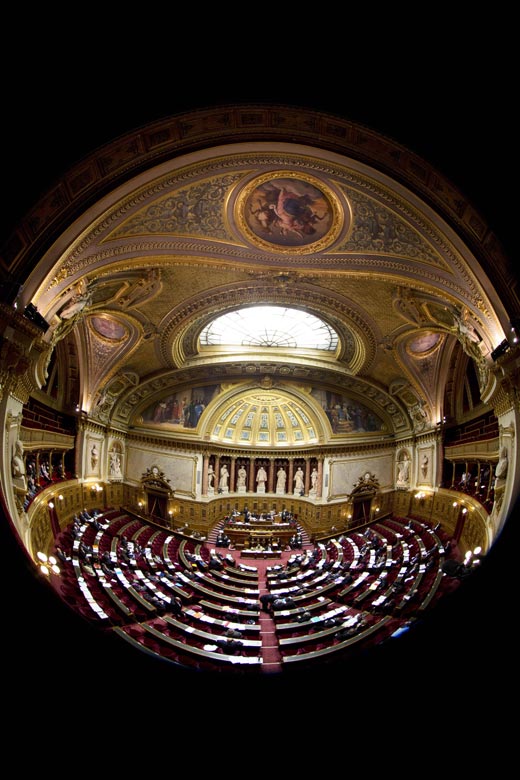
<point x="138" y="246"/>
<point x="201" y="234"/>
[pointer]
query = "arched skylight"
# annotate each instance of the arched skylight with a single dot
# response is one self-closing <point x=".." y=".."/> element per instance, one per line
<point x="270" y="326"/>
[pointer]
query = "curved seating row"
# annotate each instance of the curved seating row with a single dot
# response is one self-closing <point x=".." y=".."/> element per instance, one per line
<point x="175" y="597"/>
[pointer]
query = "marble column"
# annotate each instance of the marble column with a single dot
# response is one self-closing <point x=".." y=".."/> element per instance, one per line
<point x="307" y="478"/>
<point x="232" y="474"/>
<point x="270" y="476"/>
<point x="319" y="486"/>
<point x="251" y="480"/>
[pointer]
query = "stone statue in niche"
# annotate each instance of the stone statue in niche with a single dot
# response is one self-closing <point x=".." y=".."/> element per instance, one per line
<point x="298" y="482"/>
<point x="261" y="479"/>
<point x="501" y="469"/>
<point x="115" y="465"/>
<point x="211" y="477"/>
<point x="223" y="485"/>
<point x="94" y="457"/>
<point x="281" y="479"/>
<point x="241" y="479"/>
<point x="18" y="466"/>
<point x="403" y="470"/>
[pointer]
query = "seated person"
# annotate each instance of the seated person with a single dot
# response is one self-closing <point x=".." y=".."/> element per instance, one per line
<point x="230" y="645"/>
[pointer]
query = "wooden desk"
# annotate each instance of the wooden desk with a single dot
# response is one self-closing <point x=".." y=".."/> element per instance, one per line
<point x="337" y="648"/>
<point x="196" y="614"/>
<point x="130" y="589"/>
<point x="197" y="584"/>
<point x="307" y="637"/>
<point x="315" y="619"/>
<point x="260" y="554"/>
<point x="187" y="648"/>
<point x="320" y="603"/>
<point x="226" y="609"/>
<point x="108" y="589"/>
<point x="268" y="533"/>
<point x="207" y="635"/>
<point x="239" y="583"/>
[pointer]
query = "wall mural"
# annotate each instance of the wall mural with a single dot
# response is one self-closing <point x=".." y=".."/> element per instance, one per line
<point x="182" y="409"/>
<point x="346" y="415"/>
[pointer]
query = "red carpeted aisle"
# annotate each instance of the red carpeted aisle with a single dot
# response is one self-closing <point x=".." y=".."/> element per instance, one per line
<point x="272" y="661"/>
<point x="270" y="651"/>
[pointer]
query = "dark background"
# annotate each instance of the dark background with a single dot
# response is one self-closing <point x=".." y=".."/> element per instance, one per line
<point x="454" y="107"/>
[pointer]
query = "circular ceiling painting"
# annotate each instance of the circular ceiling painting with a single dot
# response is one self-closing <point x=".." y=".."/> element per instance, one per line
<point x="289" y="212"/>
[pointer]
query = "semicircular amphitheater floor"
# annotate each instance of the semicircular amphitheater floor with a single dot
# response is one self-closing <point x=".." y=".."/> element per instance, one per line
<point x="217" y="609"/>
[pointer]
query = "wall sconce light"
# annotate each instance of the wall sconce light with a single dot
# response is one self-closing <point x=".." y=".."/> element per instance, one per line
<point x="47" y="564"/>
<point x="51" y="505"/>
<point x="472" y="559"/>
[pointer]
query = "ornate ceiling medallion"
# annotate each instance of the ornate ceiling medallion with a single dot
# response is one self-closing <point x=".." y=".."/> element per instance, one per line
<point x="289" y="212"/>
<point x="423" y="344"/>
<point x="108" y="327"/>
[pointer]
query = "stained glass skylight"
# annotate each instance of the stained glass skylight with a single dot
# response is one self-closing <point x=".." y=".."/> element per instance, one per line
<point x="270" y="326"/>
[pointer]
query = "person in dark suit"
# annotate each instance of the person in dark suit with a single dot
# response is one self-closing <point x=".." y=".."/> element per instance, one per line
<point x="62" y="555"/>
<point x="266" y="601"/>
<point x="230" y="645"/>
<point x="176" y="605"/>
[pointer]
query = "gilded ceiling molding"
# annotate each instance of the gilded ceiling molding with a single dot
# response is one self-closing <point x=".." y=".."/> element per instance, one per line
<point x="205" y="207"/>
<point x="106" y="398"/>
<point x="123" y="158"/>
<point x="180" y="332"/>
<point x="506" y="370"/>
<point x="192" y="210"/>
<point x="109" y="341"/>
<point x="24" y="355"/>
<point x="195" y="211"/>
<point x="266" y="413"/>
<point x="126" y="409"/>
